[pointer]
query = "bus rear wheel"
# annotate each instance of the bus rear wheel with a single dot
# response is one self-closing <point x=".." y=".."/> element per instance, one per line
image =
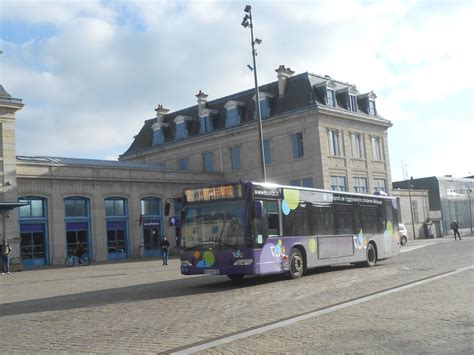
<point x="371" y="255"/>
<point x="296" y="264"/>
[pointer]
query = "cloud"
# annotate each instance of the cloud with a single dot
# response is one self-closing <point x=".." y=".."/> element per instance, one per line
<point x="106" y="65"/>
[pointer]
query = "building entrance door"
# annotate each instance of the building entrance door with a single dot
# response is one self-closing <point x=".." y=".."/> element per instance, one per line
<point x="77" y="233"/>
<point x="33" y="244"/>
<point x="116" y="241"/>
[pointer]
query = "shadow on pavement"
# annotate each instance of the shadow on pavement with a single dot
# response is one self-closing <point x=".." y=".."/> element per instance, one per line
<point x="157" y="290"/>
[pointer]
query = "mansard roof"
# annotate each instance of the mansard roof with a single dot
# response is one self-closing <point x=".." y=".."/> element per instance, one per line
<point x="300" y="93"/>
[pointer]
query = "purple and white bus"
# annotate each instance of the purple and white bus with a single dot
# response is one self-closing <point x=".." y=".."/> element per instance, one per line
<point x="250" y="228"/>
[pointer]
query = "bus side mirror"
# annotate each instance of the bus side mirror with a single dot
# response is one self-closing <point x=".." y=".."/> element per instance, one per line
<point x="167" y="208"/>
<point x="257" y="209"/>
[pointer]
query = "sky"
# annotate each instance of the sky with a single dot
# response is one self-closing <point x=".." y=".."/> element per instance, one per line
<point x="90" y="72"/>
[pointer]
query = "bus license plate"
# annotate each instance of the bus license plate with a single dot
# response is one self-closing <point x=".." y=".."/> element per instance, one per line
<point x="211" y="272"/>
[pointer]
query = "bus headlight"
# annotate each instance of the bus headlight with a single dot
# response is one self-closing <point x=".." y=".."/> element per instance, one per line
<point x="186" y="263"/>
<point x="243" y="262"/>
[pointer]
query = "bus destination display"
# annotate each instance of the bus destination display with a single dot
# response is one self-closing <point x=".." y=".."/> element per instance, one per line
<point x="224" y="192"/>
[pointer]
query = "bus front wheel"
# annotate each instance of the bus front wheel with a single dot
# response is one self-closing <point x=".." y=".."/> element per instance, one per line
<point x="296" y="264"/>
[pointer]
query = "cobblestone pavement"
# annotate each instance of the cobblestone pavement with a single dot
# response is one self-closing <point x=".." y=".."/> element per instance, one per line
<point x="144" y="307"/>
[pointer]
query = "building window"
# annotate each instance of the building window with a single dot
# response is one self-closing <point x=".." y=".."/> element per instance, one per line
<point x="414" y="206"/>
<point x="181" y="131"/>
<point x="157" y="137"/>
<point x="233" y="117"/>
<point x="372" y="110"/>
<point x="356" y="145"/>
<point x="307" y="182"/>
<point x="376" y="148"/>
<point x="114" y="207"/>
<point x="207" y="161"/>
<point x="338" y="183"/>
<point x="264" y="109"/>
<point x="183" y="164"/>
<point x="150" y="206"/>
<point x="34" y="209"/>
<point x="267" y="152"/>
<point x="330" y="98"/>
<point x="206" y="124"/>
<point x="76" y="207"/>
<point x="77" y="224"/>
<point x="297" y="142"/>
<point x="360" y="185"/>
<point x="380" y="185"/>
<point x="334" y="143"/>
<point x="295" y="182"/>
<point x="235" y="158"/>
<point x="353" y="103"/>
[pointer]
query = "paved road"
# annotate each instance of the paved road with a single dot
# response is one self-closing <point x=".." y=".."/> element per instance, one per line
<point x="144" y="307"/>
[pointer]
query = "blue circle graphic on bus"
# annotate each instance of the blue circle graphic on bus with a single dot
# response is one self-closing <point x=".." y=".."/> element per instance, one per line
<point x="284" y="208"/>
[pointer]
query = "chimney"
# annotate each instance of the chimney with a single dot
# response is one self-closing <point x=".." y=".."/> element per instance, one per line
<point x="202" y="100"/>
<point x="283" y="74"/>
<point x="160" y="113"/>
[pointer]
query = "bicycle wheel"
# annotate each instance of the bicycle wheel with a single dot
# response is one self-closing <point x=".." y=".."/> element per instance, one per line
<point x="85" y="260"/>
<point x="69" y="261"/>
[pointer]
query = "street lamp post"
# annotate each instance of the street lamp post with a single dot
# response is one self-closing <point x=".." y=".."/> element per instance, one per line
<point x="247" y="22"/>
<point x="411" y="207"/>
<point x="470" y="212"/>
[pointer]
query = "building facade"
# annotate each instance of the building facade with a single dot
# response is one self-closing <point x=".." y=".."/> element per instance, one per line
<point x="416" y="216"/>
<point x="318" y="132"/>
<point x="450" y="199"/>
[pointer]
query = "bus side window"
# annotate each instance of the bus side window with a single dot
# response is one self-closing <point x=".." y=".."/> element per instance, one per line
<point x="271" y="214"/>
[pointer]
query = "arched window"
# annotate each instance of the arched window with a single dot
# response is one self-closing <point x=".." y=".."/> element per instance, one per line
<point x="116" y="215"/>
<point x="33" y="231"/>
<point x="151" y="220"/>
<point x="77" y="220"/>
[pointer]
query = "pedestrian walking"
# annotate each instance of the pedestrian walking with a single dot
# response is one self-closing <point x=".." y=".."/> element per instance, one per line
<point x="164" y="245"/>
<point x="5" y="251"/>
<point x="455" y="228"/>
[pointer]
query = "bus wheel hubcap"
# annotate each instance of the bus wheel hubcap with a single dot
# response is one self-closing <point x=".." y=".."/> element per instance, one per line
<point x="297" y="263"/>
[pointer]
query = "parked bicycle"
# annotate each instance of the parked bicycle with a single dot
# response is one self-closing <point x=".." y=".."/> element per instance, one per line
<point x="72" y="259"/>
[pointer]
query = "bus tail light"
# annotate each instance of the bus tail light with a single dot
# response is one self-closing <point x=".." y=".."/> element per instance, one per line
<point x="186" y="263"/>
<point x="243" y="262"/>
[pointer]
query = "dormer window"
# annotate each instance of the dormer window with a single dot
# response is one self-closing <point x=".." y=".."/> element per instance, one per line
<point x="205" y="124"/>
<point x="372" y="110"/>
<point x="353" y="103"/>
<point x="158" y="137"/>
<point x="366" y="103"/>
<point x="181" y="127"/>
<point x="265" y="111"/>
<point x="158" y="133"/>
<point x="330" y="97"/>
<point x="159" y="125"/>
<point x="205" y="120"/>
<point x="234" y="113"/>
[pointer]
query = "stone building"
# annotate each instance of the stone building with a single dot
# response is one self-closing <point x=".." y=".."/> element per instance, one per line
<point x="317" y="132"/>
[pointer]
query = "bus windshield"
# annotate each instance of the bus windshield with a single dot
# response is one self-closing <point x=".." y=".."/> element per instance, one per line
<point x="217" y="224"/>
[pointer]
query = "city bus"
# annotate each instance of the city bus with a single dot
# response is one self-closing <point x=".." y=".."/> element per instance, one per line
<point x="251" y="228"/>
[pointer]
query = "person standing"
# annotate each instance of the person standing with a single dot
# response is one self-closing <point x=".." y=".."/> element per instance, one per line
<point x="164" y="245"/>
<point x="455" y="228"/>
<point x="5" y="252"/>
